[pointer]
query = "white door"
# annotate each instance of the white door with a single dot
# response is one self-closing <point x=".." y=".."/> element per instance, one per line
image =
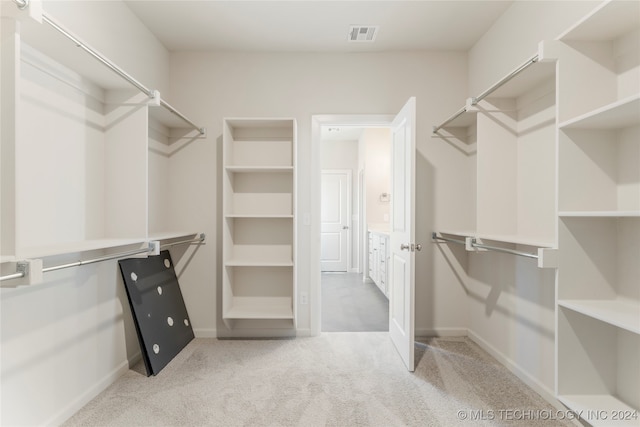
<point x="402" y="239"/>
<point x="334" y="213"/>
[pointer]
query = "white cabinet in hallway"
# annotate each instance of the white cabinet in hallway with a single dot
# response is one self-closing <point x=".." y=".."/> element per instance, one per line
<point x="378" y="259"/>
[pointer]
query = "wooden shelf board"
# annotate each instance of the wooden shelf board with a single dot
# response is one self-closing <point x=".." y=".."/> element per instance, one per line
<point x="602" y="405"/>
<point x="617" y="115"/>
<point x="607" y="22"/>
<point x="598" y="214"/>
<point x="622" y="313"/>
<point x="260" y="308"/>
<point x="261" y="169"/>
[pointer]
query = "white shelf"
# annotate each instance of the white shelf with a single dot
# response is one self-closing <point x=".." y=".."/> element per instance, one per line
<point x="76" y="247"/>
<point x="169" y="235"/>
<point x="608" y="21"/>
<point x="527" y="80"/>
<point x="238" y="262"/>
<point x="458" y="233"/>
<point x="260" y="308"/>
<point x="599" y="409"/>
<point x="621" y="313"/>
<point x="599" y="214"/>
<point x="259" y="216"/>
<point x="7" y="258"/>
<point x="260" y="169"/>
<point x="617" y="115"/>
<point x="516" y="240"/>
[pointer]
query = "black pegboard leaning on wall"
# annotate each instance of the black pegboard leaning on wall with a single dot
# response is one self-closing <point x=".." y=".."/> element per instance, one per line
<point x="158" y="309"/>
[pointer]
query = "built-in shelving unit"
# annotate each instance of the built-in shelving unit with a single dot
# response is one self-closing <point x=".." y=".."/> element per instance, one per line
<point x="512" y="125"/>
<point x="598" y="335"/>
<point x="84" y="167"/>
<point x="259" y="223"/>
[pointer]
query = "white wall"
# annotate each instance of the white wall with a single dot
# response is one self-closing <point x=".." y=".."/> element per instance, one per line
<point x="514" y="37"/>
<point x="344" y="155"/>
<point x="65" y="340"/>
<point x="377" y="164"/>
<point x="218" y="85"/>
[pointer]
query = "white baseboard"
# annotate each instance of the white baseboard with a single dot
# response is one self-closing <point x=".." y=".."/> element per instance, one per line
<point x="532" y="382"/>
<point x="441" y="332"/>
<point x="205" y="333"/>
<point x="305" y="333"/>
<point x="86" y="397"/>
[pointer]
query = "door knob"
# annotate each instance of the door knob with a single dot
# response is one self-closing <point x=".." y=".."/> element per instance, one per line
<point x="404" y="247"/>
<point x="418" y="247"/>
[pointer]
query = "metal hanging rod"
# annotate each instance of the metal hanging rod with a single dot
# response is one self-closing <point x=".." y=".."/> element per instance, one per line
<point x="487" y="92"/>
<point x="435" y="236"/>
<point x="113" y="67"/>
<point x="450" y="119"/>
<point x="94" y="260"/>
<point x="22" y="270"/>
<point x="17" y="275"/>
<point x="166" y="105"/>
<point x="499" y="249"/>
<point x="504" y="80"/>
<point x="199" y="239"/>
<point x="22" y="4"/>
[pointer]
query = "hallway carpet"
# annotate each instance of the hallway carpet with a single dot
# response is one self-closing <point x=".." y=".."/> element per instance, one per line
<point x="335" y="379"/>
<point x="351" y="305"/>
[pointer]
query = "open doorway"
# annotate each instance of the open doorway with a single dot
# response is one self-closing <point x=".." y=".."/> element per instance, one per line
<point x="354" y="231"/>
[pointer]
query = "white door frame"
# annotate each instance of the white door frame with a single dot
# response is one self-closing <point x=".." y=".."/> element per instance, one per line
<point x="349" y="237"/>
<point x="317" y="121"/>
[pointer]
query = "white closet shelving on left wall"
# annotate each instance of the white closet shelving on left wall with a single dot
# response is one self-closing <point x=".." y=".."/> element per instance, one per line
<point x="85" y="151"/>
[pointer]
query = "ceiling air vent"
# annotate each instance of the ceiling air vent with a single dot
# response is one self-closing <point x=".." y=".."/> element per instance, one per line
<point x="362" y="33"/>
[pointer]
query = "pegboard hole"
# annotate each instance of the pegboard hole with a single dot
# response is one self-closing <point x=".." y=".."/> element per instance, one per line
<point x="156" y="348"/>
<point x="167" y="263"/>
<point x="170" y="321"/>
<point x="134" y="277"/>
<point x="159" y="290"/>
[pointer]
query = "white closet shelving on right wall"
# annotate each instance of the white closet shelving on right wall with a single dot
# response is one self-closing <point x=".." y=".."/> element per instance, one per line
<point x="598" y="315"/>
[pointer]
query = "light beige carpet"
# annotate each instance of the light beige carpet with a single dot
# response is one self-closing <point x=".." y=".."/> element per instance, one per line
<point x="335" y="379"/>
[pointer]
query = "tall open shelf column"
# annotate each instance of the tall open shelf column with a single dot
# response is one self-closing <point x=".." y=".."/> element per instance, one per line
<point x="598" y="336"/>
<point x="258" y="286"/>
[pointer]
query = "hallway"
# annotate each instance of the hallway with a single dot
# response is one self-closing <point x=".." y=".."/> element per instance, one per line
<point x="351" y="305"/>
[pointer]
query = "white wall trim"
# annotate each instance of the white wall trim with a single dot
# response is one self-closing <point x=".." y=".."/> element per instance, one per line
<point x="317" y="121"/>
<point x="205" y="332"/>
<point x="67" y="412"/>
<point x="442" y="332"/>
<point x="529" y="380"/>
<point x="304" y="333"/>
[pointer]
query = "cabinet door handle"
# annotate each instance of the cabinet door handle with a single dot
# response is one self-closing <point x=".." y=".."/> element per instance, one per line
<point x="345" y="227"/>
